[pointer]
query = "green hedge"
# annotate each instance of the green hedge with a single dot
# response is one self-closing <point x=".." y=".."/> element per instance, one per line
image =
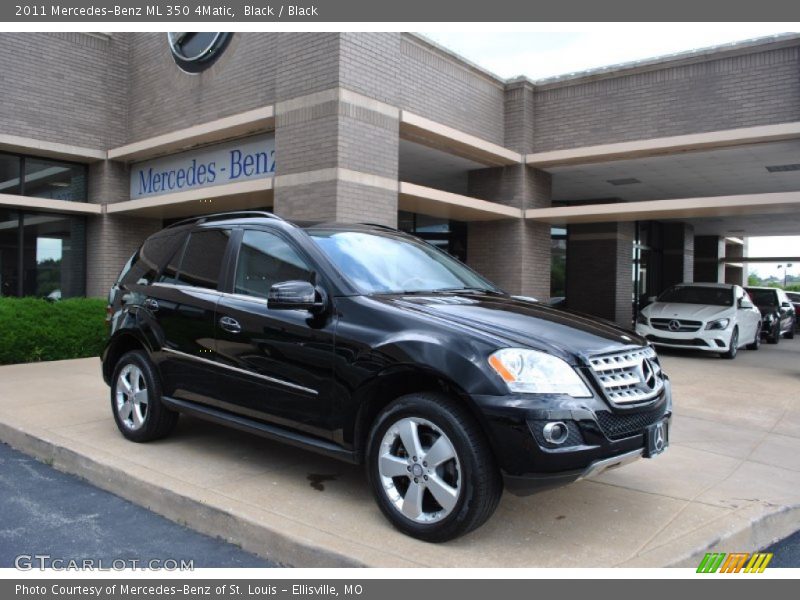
<point x="32" y="329"/>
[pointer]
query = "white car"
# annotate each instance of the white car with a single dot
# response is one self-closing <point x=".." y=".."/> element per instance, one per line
<point x="714" y="317"/>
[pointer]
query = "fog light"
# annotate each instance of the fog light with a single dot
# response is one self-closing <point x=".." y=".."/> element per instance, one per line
<point x="555" y="432"/>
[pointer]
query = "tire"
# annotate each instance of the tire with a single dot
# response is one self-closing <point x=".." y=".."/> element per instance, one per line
<point x="468" y="485"/>
<point x="734" y="347"/>
<point x="757" y="340"/>
<point x="139" y="414"/>
<point x="790" y="333"/>
<point x="775" y="337"/>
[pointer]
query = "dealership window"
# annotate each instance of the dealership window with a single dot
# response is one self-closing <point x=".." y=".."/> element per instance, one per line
<point x="42" y="178"/>
<point x="42" y="255"/>
<point x="9" y="174"/>
<point x="558" y="262"/>
<point x="646" y="266"/>
<point x="445" y="234"/>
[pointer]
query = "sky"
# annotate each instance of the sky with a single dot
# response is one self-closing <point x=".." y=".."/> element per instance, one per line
<point x="541" y="54"/>
<point x="550" y="52"/>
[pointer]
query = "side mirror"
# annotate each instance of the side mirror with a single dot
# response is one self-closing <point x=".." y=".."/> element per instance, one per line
<point x="295" y="295"/>
<point x="745" y="303"/>
<point x="651" y="299"/>
<point x="786" y="305"/>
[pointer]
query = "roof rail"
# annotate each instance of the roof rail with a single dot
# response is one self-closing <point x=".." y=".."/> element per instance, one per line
<point x="226" y="215"/>
<point x="380" y="225"/>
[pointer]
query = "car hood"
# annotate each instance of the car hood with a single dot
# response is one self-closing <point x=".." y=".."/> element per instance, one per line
<point x="521" y="322"/>
<point x="693" y="312"/>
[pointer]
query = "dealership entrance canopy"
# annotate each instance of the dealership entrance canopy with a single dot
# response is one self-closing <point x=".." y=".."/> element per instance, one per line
<point x="603" y="187"/>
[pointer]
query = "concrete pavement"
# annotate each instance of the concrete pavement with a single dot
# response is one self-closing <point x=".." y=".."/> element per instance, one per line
<point x="729" y="482"/>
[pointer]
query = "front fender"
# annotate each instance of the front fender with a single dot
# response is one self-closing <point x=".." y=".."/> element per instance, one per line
<point x="460" y="360"/>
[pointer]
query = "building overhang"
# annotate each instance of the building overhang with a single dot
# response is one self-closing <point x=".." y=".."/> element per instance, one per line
<point x="664" y="145"/>
<point x="446" y="205"/>
<point x="250" y="122"/>
<point x="255" y="193"/>
<point x="23" y="145"/>
<point x="680" y="208"/>
<point x="49" y="205"/>
<point x="435" y="135"/>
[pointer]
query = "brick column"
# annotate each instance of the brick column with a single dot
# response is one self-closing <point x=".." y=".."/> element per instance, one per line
<point x="599" y="277"/>
<point x="111" y="239"/>
<point x="514" y="253"/>
<point x="337" y="134"/>
<point x="733" y="273"/>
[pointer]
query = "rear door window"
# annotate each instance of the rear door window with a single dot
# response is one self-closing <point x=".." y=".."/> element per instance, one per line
<point x="144" y="266"/>
<point x="201" y="263"/>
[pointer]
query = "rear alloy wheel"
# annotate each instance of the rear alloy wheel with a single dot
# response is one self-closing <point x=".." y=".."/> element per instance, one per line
<point x="734" y="347"/>
<point x="431" y="468"/>
<point x="757" y="340"/>
<point x="136" y="399"/>
<point x="790" y="333"/>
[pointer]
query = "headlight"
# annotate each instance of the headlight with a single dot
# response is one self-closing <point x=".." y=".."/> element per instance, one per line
<point x="533" y="372"/>
<point x="718" y="324"/>
<point x="641" y="319"/>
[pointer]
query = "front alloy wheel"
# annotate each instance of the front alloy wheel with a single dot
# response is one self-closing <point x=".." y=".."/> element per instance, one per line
<point x="419" y="470"/>
<point x="431" y="468"/>
<point x="734" y="345"/>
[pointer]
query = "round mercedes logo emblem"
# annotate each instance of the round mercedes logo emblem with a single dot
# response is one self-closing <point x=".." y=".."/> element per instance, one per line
<point x="648" y="374"/>
<point x="195" y="51"/>
<point x="674" y="325"/>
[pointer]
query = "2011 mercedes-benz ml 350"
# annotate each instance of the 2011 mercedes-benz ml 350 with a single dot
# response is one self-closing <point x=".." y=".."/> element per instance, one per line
<point x="371" y="346"/>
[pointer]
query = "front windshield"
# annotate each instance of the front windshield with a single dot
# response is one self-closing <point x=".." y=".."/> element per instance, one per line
<point x="390" y="264"/>
<point x="698" y="295"/>
<point x="764" y="297"/>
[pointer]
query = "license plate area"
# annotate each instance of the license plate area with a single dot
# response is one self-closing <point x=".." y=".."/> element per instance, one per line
<point x="656" y="438"/>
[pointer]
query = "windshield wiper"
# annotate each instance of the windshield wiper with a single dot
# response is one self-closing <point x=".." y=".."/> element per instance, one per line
<point x="471" y="290"/>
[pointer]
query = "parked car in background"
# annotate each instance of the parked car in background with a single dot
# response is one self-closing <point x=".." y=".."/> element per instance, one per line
<point x="371" y="346"/>
<point x="713" y="317"/>
<point x="778" y="316"/>
<point x="794" y="298"/>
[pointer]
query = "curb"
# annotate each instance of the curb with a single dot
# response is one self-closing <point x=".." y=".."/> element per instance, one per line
<point x="213" y="521"/>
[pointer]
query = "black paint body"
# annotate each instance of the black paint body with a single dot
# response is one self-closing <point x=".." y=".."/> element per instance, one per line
<point x="334" y="370"/>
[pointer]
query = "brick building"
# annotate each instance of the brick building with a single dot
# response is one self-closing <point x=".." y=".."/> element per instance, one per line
<point x="603" y="187"/>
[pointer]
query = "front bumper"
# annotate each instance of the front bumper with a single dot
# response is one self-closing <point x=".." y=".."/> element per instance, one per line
<point x="600" y="437"/>
<point x="526" y="485"/>
<point x="714" y="340"/>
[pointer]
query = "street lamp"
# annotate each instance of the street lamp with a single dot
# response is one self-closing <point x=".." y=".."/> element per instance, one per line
<point x="785" y="269"/>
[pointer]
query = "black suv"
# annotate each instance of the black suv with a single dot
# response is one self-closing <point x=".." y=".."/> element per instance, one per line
<point x="777" y="313"/>
<point x="370" y="345"/>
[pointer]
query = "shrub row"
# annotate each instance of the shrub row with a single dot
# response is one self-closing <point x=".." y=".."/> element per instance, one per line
<point x="32" y="329"/>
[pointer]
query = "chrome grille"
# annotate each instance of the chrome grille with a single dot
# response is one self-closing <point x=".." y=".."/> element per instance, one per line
<point x="682" y="325"/>
<point x="630" y="376"/>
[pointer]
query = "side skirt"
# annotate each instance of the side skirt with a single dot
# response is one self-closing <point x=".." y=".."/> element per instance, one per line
<point x="265" y="430"/>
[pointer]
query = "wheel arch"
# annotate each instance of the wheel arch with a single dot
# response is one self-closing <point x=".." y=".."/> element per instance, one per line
<point x="121" y="343"/>
<point x="394" y="383"/>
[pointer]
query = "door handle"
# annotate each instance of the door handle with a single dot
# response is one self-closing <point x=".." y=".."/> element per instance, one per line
<point x="230" y="324"/>
<point x="151" y="303"/>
